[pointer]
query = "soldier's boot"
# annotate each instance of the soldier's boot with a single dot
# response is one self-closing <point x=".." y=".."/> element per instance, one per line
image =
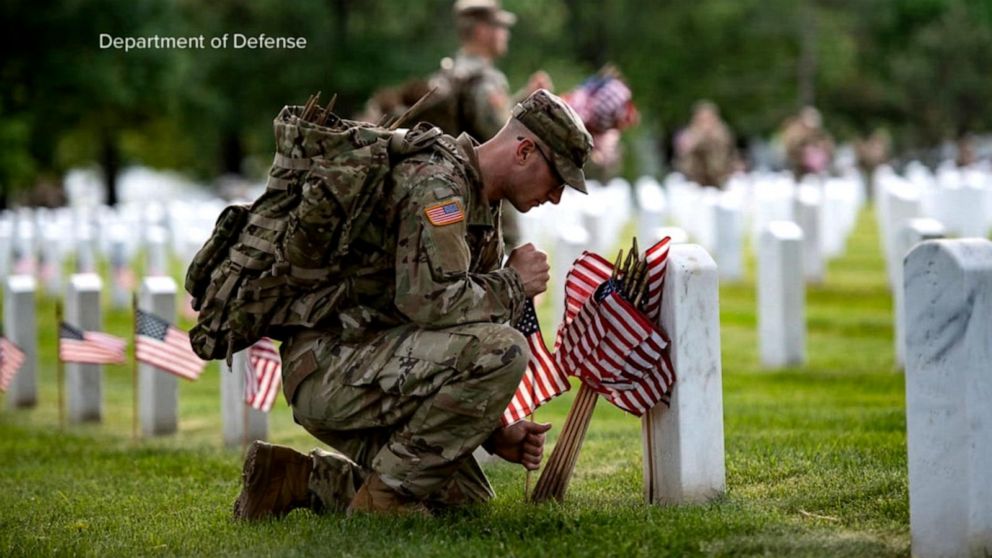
<point x="274" y="482"/>
<point x="375" y="497"/>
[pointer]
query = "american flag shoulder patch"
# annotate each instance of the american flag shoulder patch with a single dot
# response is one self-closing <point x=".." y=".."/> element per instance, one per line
<point x="447" y="212"/>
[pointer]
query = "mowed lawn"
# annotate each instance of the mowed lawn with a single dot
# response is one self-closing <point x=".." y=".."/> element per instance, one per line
<point x="816" y="462"/>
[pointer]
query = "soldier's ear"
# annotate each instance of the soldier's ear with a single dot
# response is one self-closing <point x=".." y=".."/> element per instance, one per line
<point x="524" y="150"/>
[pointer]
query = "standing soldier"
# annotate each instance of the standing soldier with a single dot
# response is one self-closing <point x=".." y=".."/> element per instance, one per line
<point x="705" y="148"/>
<point x="809" y="149"/>
<point x="470" y="95"/>
<point x="482" y="90"/>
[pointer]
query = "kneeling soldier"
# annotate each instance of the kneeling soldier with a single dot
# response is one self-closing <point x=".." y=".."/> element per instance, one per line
<point x="421" y="363"/>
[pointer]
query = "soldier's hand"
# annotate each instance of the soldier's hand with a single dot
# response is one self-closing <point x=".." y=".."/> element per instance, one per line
<point x="532" y="266"/>
<point x="521" y="442"/>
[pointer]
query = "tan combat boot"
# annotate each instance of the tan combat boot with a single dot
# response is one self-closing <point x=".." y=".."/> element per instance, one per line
<point x="375" y="497"/>
<point x="275" y="482"/>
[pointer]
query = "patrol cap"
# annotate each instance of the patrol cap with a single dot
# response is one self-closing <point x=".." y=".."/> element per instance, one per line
<point x="561" y="129"/>
<point x="489" y="11"/>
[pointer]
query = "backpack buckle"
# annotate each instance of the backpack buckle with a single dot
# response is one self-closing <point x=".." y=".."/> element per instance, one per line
<point x="280" y="268"/>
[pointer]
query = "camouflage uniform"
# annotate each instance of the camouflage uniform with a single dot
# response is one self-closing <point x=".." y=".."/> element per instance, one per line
<point x="421" y="366"/>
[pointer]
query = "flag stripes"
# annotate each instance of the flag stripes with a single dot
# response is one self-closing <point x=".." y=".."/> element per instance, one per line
<point x="543" y="379"/>
<point x="263" y="375"/>
<point x="89" y="347"/>
<point x="11" y="359"/>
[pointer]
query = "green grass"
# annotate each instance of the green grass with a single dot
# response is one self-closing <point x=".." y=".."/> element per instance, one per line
<point x="816" y="462"/>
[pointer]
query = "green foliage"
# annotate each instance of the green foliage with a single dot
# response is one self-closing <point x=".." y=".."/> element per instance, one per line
<point x="915" y="67"/>
<point x="816" y="462"/>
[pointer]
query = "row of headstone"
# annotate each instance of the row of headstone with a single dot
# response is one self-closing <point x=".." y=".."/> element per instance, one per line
<point x="157" y="391"/>
<point x="825" y="209"/>
<point x="24" y="251"/>
<point x="959" y="199"/>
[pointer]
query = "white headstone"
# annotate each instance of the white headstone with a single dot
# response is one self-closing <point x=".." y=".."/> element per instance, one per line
<point x="651" y="206"/>
<point x="83" y="381"/>
<point x="572" y="241"/>
<point x="121" y="275"/>
<point x="6" y="246"/>
<point x="85" y="254"/>
<point x="683" y="443"/>
<point x="20" y="327"/>
<point x="158" y="392"/>
<point x="242" y="423"/>
<point x="50" y="264"/>
<point x="728" y="222"/>
<point x="903" y="204"/>
<point x="781" y="295"/>
<point x="807" y="211"/>
<point x="157" y="245"/>
<point x="948" y="388"/>
<point x="913" y="232"/>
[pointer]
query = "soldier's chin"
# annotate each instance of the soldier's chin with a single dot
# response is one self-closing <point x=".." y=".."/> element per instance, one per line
<point x="524" y="208"/>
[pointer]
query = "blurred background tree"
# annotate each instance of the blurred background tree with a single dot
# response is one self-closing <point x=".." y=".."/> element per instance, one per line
<point x="919" y="68"/>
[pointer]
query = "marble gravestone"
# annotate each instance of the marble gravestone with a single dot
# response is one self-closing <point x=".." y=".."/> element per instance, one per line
<point x="683" y="443"/>
<point x="242" y="423"/>
<point x="728" y="224"/>
<point x="948" y="287"/>
<point x="807" y="212"/>
<point x="83" y="382"/>
<point x="20" y="327"/>
<point x="158" y="391"/>
<point x="572" y="241"/>
<point x="913" y="232"/>
<point x="781" y="295"/>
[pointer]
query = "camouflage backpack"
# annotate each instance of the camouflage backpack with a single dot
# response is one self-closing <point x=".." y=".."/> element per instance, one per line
<point x="274" y="265"/>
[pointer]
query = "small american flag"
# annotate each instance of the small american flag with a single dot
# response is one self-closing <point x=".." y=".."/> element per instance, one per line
<point x="11" y="359"/>
<point x="543" y="379"/>
<point x="263" y="375"/>
<point x="445" y="213"/>
<point x="166" y="347"/>
<point x="89" y="347"/>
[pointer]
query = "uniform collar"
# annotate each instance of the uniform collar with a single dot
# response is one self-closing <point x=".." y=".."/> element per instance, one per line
<point x="479" y="212"/>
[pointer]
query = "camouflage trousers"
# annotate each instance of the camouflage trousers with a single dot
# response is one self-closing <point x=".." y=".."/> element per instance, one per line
<point x="411" y="404"/>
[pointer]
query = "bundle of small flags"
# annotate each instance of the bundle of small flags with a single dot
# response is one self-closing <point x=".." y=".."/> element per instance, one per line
<point x="611" y="340"/>
<point x="609" y="337"/>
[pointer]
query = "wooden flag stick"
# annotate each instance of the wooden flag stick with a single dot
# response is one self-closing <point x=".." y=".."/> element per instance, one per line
<point x="244" y="426"/>
<point x="551" y="483"/>
<point x="572" y="453"/>
<point x="134" y="368"/>
<point x="530" y="417"/>
<point x="580" y="416"/>
<point x="60" y="369"/>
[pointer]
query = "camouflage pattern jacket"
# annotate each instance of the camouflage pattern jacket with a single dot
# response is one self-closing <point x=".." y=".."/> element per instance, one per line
<point x="410" y="267"/>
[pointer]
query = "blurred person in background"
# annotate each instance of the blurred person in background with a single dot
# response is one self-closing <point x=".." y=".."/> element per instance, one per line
<point x="605" y="104"/>
<point x="809" y="149"/>
<point x="705" y="151"/>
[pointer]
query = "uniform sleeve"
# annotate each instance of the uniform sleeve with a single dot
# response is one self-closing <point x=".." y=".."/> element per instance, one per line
<point x="433" y="284"/>
<point x="488" y="106"/>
